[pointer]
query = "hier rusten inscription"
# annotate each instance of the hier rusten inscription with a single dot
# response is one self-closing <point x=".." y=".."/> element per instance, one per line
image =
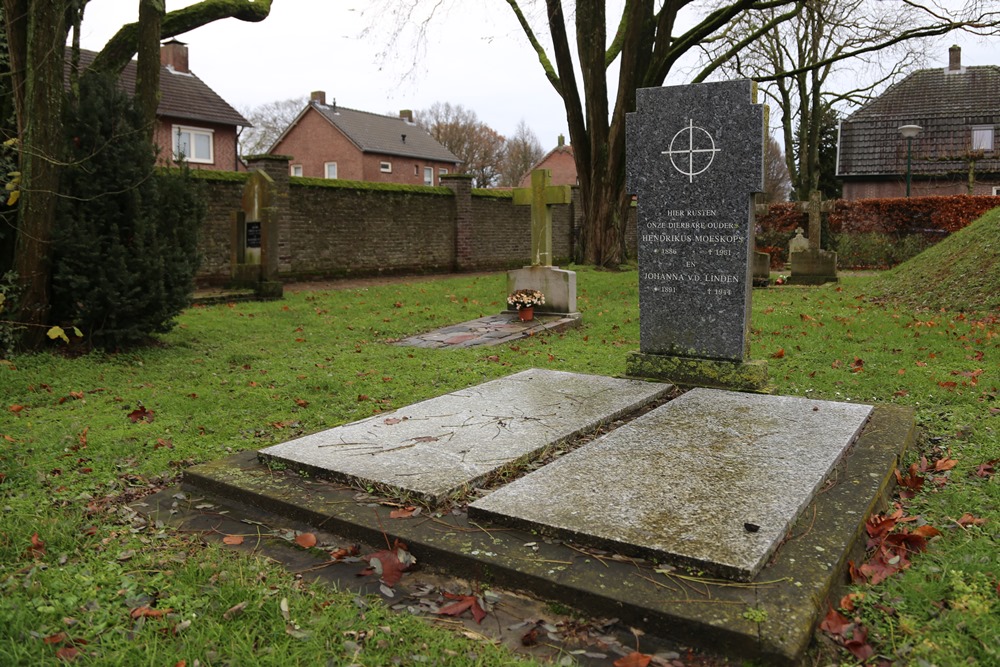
<point x="694" y="160"/>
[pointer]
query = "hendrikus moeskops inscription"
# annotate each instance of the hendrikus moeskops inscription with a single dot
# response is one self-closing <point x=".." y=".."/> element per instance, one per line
<point x="700" y="144"/>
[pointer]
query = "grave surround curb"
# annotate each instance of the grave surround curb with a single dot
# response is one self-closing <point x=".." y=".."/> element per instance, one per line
<point x="789" y="594"/>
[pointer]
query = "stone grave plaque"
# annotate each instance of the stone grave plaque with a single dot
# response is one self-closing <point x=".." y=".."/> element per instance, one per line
<point x="434" y="448"/>
<point x="712" y="480"/>
<point x="694" y="160"/>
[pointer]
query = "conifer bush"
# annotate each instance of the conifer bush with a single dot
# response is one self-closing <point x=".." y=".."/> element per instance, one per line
<point x="125" y="237"/>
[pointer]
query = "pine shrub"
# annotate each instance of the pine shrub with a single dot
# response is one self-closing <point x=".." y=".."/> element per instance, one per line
<point x="125" y="238"/>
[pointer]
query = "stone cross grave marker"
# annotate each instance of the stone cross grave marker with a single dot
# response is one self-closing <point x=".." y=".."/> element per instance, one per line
<point x="815" y="221"/>
<point x="541" y="196"/>
<point x="694" y="160"/>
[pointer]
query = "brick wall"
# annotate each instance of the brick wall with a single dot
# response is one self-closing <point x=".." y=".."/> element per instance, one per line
<point x="918" y="188"/>
<point x="335" y="229"/>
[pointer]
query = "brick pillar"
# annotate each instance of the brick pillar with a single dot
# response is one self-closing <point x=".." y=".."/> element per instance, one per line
<point x="276" y="166"/>
<point x="461" y="185"/>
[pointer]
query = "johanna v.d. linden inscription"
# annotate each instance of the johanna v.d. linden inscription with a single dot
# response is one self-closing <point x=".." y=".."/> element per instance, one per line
<point x="694" y="160"/>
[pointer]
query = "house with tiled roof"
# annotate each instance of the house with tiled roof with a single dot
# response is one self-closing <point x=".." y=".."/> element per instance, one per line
<point x="560" y="163"/>
<point x="193" y="121"/>
<point x="330" y="141"/>
<point x="955" y="113"/>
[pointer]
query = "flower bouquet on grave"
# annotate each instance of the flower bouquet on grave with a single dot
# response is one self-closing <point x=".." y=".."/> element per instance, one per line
<point x="524" y="301"/>
<point x="525" y="298"/>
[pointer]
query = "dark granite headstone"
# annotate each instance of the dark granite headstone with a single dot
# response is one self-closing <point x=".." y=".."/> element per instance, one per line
<point x="695" y="160"/>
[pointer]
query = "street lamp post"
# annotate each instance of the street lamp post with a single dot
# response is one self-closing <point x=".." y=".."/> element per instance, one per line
<point x="908" y="132"/>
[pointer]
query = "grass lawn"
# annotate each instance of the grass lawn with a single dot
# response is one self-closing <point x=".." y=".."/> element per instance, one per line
<point x="81" y="577"/>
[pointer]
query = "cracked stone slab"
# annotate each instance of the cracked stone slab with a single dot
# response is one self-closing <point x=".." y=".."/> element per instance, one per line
<point x="711" y="480"/>
<point x="437" y="447"/>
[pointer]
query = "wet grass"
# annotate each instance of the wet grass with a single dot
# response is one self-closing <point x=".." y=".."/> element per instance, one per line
<point x="81" y="436"/>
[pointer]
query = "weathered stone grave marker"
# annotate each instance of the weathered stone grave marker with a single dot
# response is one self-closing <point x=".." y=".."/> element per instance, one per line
<point x="812" y="265"/>
<point x="695" y="160"/>
<point x="254" y="255"/>
<point x="558" y="285"/>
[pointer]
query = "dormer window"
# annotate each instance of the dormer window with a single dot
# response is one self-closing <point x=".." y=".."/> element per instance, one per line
<point x="982" y="137"/>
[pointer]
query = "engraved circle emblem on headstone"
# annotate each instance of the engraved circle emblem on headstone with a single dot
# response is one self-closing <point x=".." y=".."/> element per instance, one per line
<point x="699" y="154"/>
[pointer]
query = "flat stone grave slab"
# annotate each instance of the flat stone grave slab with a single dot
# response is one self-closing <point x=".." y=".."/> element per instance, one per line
<point x="712" y="480"/>
<point x="437" y="447"/>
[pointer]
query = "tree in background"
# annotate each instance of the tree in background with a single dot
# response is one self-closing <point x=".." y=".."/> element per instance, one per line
<point x="831" y="54"/>
<point x="776" y="181"/>
<point x="125" y="239"/>
<point x="523" y="151"/>
<point x="481" y="149"/>
<point x="645" y="43"/>
<point x="269" y="121"/>
<point x="36" y="33"/>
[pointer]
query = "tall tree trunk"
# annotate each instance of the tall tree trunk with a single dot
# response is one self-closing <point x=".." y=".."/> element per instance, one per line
<point x="41" y="144"/>
<point x="147" y="79"/>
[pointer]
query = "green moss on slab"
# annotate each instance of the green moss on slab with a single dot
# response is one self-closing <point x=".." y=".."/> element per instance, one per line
<point x="694" y="372"/>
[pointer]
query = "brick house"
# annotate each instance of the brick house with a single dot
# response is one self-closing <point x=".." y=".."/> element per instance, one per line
<point x="957" y="149"/>
<point x="191" y="117"/>
<point x="560" y="162"/>
<point x="329" y="141"/>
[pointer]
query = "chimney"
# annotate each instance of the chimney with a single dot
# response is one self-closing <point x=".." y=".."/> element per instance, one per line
<point x="406" y="114"/>
<point x="955" y="58"/>
<point x="562" y="141"/>
<point x="318" y="96"/>
<point x="174" y="55"/>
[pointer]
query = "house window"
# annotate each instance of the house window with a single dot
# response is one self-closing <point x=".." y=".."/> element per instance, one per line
<point x="442" y="171"/>
<point x="385" y="167"/>
<point x="428" y="175"/>
<point x="982" y="137"/>
<point x="193" y="144"/>
<point x="330" y="169"/>
<point x="996" y="190"/>
<point x="416" y="170"/>
<point x="296" y="170"/>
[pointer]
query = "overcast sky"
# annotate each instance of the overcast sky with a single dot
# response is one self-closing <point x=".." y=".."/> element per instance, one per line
<point x="476" y="55"/>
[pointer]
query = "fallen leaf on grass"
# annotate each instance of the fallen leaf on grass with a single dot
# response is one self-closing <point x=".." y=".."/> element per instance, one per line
<point x="968" y="520"/>
<point x="944" y="464"/>
<point x="779" y="354"/>
<point x="148" y="612"/>
<point x="16" y="408"/>
<point x="67" y="653"/>
<point x="463" y="602"/>
<point x="857" y="365"/>
<point x="835" y="623"/>
<point x="141" y="414"/>
<point x="633" y="659"/>
<point x="37" y="548"/>
<point x="233" y="540"/>
<point x="302" y="403"/>
<point x="389" y="565"/>
<point x="305" y="540"/>
<point x="986" y="469"/>
<point x="402" y="512"/>
<point x="234" y="611"/>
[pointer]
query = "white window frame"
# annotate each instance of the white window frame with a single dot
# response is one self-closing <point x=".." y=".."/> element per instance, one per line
<point x="982" y="138"/>
<point x="295" y="170"/>
<point x="385" y="167"/>
<point x="193" y="132"/>
<point x="428" y="175"/>
<point x="328" y="168"/>
<point x="996" y="190"/>
<point x="442" y="171"/>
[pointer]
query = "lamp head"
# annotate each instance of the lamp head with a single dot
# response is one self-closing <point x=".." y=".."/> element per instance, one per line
<point x="910" y="131"/>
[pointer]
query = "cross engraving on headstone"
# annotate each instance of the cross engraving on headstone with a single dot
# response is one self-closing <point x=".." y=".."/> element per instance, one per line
<point x="694" y="160"/>
<point x="541" y="196"/>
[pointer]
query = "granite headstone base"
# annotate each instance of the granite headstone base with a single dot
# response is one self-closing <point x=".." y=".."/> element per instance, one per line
<point x="694" y="372"/>
<point x="558" y="286"/>
<point x="813" y="267"/>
